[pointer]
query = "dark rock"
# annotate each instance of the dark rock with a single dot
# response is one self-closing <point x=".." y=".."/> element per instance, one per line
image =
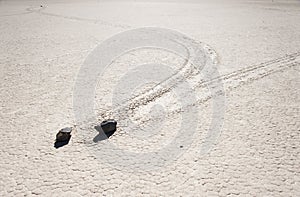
<point x="64" y="134"/>
<point x="109" y="126"/>
<point x="106" y="129"/>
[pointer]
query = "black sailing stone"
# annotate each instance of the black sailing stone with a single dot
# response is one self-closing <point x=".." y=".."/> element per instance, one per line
<point x="64" y="134"/>
<point x="109" y="126"/>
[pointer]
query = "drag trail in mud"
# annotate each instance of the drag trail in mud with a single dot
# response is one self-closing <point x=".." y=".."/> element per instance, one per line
<point x="231" y="81"/>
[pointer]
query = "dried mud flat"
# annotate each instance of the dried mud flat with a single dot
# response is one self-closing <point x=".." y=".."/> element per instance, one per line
<point x="253" y="44"/>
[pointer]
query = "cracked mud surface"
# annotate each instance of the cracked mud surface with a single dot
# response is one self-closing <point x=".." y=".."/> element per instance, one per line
<point x="258" y="58"/>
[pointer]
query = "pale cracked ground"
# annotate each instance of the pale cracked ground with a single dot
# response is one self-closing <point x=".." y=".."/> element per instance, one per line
<point x="42" y="49"/>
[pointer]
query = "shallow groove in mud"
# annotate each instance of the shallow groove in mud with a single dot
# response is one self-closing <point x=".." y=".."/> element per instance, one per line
<point x="96" y="21"/>
<point x="230" y="84"/>
<point x="285" y="59"/>
<point x="187" y="71"/>
<point x="231" y="81"/>
<point x="27" y="11"/>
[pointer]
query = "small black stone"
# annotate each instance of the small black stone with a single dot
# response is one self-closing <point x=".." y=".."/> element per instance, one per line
<point x="64" y="134"/>
<point x="109" y="126"/>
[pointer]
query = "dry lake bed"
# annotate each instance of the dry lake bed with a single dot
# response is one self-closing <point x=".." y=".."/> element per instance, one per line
<point x="206" y="95"/>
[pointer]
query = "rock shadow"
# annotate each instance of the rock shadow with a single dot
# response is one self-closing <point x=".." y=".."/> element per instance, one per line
<point x="102" y="136"/>
<point x="59" y="144"/>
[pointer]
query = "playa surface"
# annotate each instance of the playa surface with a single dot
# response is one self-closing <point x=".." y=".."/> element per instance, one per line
<point x="238" y="133"/>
